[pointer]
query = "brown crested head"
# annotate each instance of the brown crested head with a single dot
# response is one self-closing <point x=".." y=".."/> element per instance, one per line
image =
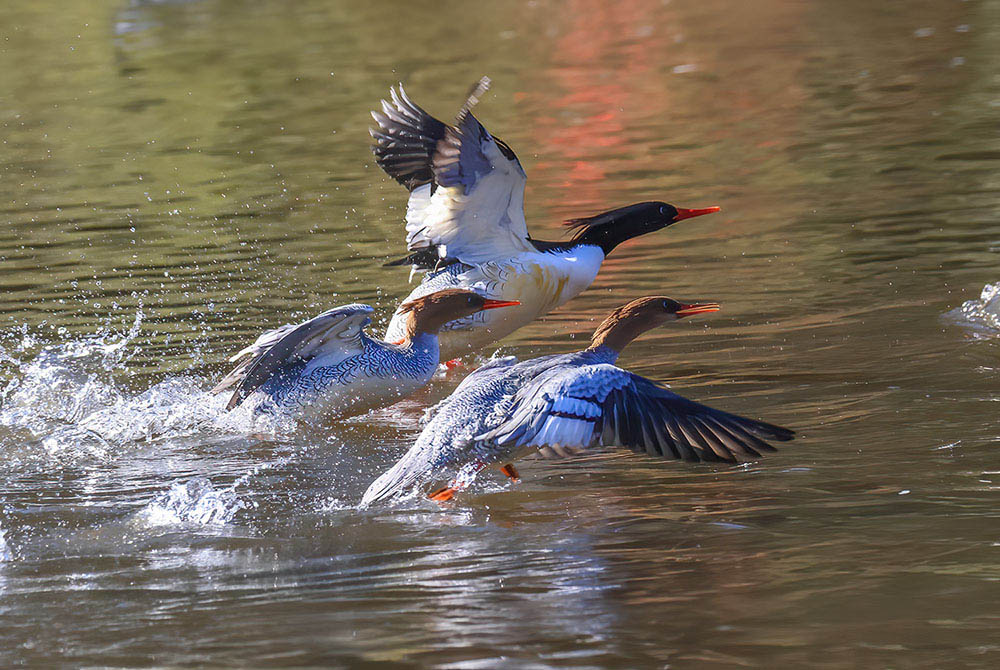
<point x="632" y="319"/>
<point x="427" y="314"/>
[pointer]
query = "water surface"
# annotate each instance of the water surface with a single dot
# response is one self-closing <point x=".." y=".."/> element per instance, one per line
<point x="177" y="176"/>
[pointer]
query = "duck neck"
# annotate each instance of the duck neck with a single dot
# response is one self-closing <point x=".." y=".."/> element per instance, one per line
<point x="615" y="333"/>
<point x="607" y="237"/>
<point x="418" y="324"/>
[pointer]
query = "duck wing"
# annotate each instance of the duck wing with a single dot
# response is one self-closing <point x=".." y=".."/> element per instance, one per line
<point x="340" y="329"/>
<point x="564" y="411"/>
<point x="466" y="186"/>
<point x="246" y="356"/>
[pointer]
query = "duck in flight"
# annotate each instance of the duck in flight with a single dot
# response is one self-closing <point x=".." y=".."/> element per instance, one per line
<point x="565" y="404"/>
<point x="465" y="223"/>
<point x="329" y="366"/>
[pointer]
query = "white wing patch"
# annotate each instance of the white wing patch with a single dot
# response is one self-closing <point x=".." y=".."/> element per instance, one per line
<point x="561" y="410"/>
<point x="467" y="193"/>
<point x="416" y="217"/>
<point x="475" y="225"/>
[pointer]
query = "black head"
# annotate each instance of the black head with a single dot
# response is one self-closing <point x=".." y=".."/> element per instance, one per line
<point x="611" y="228"/>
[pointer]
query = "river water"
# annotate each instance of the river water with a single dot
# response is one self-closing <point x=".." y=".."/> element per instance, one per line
<point x="176" y="176"/>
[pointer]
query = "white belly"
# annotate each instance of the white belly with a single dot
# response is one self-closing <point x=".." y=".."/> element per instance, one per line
<point x="539" y="281"/>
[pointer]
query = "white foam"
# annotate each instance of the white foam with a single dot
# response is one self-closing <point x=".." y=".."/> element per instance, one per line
<point x="981" y="315"/>
<point x="5" y="554"/>
<point x="196" y="502"/>
<point x="63" y="403"/>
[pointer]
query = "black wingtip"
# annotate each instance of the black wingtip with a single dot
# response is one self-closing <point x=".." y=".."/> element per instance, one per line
<point x="405" y="139"/>
<point x="775" y="432"/>
<point x="426" y="258"/>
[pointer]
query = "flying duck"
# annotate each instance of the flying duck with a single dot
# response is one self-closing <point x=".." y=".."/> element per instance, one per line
<point x="465" y="222"/>
<point x="567" y="403"/>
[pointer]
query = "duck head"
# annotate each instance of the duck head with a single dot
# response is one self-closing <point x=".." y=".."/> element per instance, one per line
<point x="633" y="319"/>
<point x="611" y="228"/>
<point x="429" y="313"/>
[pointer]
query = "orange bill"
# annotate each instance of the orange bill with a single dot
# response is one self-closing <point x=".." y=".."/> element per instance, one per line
<point x="691" y="213"/>
<point x="493" y="304"/>
<point x="697" y="308"/>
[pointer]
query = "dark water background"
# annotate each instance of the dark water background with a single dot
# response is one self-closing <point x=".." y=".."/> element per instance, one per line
<point x="176" y="176"/>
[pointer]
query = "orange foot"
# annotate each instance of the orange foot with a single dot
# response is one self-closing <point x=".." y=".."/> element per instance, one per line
<point x="443" y="494"/>
<point x="452" y="364"/>
<point x="511" y="472"/>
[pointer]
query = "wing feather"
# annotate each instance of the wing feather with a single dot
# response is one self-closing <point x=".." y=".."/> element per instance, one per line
<point x="245" y="357"/>
<point x="467" y="187"/>
<point x="566" y="410"/>
<point x="336" y="330"/>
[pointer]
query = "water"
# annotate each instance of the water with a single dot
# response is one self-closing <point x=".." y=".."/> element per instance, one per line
<point x="177" y="176"/>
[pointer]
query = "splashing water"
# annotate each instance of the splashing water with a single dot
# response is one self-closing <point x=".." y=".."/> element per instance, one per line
<point x="981" y="315"/>
<point x="193" y="502"/>
<point x="5" y="554"/>
<point x="63" y="405"/>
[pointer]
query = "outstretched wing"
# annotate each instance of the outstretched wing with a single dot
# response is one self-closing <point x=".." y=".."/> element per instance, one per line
<point x="245" y="357"/>
<point x="467" y="187"/>
<point x="338" y="330"/>
<point x="565" y="411"/>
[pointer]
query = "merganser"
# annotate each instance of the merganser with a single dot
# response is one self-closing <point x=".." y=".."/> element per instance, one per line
<point x="564" y="404"/>
<point x="328" y="365"/>
<point x="465" y="222"/>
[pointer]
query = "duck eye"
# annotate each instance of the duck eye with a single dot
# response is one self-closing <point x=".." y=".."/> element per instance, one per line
<point x="663" y="211"/>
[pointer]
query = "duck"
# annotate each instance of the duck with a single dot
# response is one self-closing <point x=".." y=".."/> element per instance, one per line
<point x="566" y="404"/>
<point x="329" y="366"/>
<point x="465" y="222"/>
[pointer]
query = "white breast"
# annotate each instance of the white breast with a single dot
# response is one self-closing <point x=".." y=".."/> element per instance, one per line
<point x="540" y="281"/>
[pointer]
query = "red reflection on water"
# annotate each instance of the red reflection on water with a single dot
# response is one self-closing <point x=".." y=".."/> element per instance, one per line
<point x="604" y="74"/>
